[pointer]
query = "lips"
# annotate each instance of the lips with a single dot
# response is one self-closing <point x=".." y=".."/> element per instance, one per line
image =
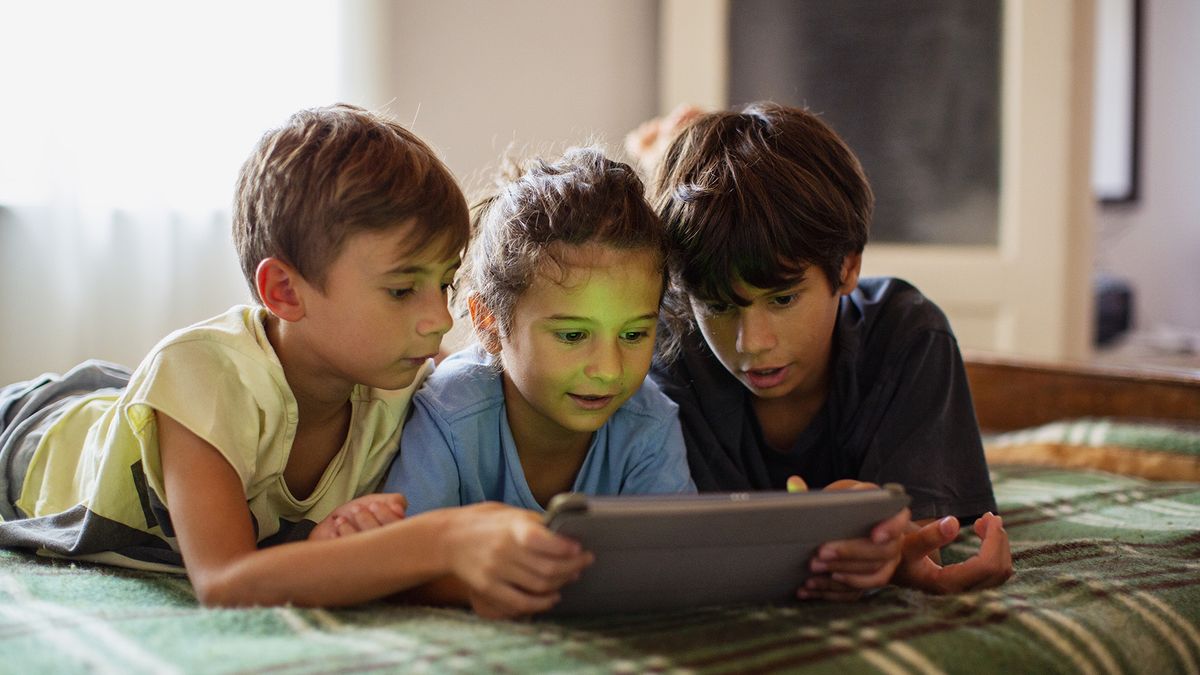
<point x="420" y="360"/>
<point x="766" y="378"/>
<point x="590" y="402"/>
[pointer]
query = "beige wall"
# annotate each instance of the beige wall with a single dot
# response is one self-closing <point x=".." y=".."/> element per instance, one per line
<point x="1155" y="242"/>
<point x="479" y="76"/>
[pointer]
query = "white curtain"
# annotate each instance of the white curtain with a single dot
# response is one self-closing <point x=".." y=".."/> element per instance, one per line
<point x="122" y="126"/>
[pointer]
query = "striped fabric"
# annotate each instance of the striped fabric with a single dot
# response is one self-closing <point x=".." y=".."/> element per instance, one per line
<point x="1108" y="581"/>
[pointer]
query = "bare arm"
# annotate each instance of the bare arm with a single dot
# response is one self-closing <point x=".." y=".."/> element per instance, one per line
<point x="497" y="551"/>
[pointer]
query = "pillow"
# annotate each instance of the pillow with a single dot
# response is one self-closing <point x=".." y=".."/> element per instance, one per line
<point x="1151" y="450"/>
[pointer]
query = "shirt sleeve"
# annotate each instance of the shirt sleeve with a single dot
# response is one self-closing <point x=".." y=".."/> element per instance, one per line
<point x="660" y="463"/>
<point x="217" y="393"/>
<point x="425" y="470"/>
<point x="926" y="437"/>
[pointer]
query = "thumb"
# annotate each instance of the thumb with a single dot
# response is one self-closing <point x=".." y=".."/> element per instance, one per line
<point x="931" y="537"/>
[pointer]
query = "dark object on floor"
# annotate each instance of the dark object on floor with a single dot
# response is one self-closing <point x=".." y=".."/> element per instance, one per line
<point x="1114" y="308"/>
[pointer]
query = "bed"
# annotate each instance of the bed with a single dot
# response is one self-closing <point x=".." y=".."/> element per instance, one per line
<point x="1107" y="578"/>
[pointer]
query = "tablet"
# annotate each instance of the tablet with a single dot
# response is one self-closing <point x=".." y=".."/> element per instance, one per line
<point x="668" y="552"/>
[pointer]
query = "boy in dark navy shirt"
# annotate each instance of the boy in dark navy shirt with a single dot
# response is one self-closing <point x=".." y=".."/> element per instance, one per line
<point x="798" y="368"/>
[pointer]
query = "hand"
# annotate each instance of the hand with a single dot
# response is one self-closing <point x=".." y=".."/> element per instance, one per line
<point x="843" y="569"/>
<point x="990" y="567"/>
<point x="510" y="562"/>
<point x="648" y="143"/>
<point x="359" y="515"/>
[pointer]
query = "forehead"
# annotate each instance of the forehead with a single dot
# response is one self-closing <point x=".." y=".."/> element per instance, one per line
<point x="594" y="280"/>
<point x="398" y="248"/>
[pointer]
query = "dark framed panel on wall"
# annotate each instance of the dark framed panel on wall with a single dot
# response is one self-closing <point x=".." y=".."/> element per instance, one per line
<point x="914" y="86"/>
<point x="1117" y="118"/>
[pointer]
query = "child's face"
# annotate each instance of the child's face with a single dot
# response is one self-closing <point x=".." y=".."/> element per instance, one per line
<point x="779" y="345"/>
<point x="383" y="311"/>
<point x="577" y="350"/>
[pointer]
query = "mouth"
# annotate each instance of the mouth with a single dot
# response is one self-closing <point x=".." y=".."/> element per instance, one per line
<point x="766" y="378"/>
<point x="419" y="360"/>
<point x="590" y="402"/>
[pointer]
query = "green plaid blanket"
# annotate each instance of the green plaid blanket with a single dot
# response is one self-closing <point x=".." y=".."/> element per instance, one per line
<point x="1108" y="581"/>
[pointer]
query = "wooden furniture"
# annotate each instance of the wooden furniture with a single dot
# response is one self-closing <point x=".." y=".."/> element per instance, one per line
<point x="1011" y="393"/>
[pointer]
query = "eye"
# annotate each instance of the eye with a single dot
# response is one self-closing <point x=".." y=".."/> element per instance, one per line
<point x="717" y="308"/>
<point x="635" y="335"/>
<point x="449" y="286"/>
<point x="784" y="300"/>
<point x="400" y="293"/>
<point x="570" y="336"/>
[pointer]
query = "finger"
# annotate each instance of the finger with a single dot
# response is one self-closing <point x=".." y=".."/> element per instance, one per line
<point x="385" y="513"/>
<point x="834" y="552"/>
<point x="552" y="573"/>
<point x="508" y="601"/>
<point x="849" y="484"/>
<point x="857" y="566"/>
<point x="364" y="518"/>
<point x="892" y="528"/>
<point x="796" y="484"/>
<point x="399" y="505"/>
<point x="323" y="530"/>
<point x="344" y="526"/>
<point x="822" y="587"/>
<point x="988" y="568"/>
<point x="931" y="537"/>
<point x="534" y="582"/>
<point x="536" y="538"/>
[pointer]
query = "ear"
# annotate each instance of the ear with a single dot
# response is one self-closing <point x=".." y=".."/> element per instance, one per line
<point x="851" y="266"/>
<point x="277" y="284"/>
<point x="484" y="323"/>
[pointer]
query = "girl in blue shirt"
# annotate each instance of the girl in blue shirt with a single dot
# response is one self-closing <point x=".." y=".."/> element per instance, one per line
<point x="563" y="284"/>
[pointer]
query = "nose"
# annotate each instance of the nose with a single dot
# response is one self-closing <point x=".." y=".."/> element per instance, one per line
<point x="435" y="316"/>
<point x="605" y="363"/>
<point x="754" y="332"/>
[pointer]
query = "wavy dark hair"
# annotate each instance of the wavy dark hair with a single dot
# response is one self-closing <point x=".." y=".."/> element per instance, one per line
<point x="759" y="195"/>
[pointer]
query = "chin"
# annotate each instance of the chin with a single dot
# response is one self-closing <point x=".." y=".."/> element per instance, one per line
<point x="583" y="425"/>
<point x="397" y="382"/>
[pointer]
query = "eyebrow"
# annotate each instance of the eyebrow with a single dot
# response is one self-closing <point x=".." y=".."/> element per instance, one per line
<point x="419" y="269"/>
<point x="569" y="317"/>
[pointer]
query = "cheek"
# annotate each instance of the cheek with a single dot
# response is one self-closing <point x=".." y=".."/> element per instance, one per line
<point x="716" y="334"/>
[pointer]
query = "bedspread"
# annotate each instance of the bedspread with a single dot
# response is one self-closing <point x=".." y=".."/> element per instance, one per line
<point x="1107" y="580"/>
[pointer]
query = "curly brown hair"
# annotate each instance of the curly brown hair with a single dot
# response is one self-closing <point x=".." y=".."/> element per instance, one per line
<point x="582" y="198"/>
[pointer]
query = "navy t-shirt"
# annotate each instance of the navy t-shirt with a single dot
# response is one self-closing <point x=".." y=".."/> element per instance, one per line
<point x="899" y="411"/>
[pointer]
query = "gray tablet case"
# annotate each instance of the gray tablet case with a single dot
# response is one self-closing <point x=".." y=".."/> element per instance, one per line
<point x="666" y="552"/>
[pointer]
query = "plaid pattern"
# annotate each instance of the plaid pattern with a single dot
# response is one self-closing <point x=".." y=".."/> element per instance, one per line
<point x="1108" y="581"/>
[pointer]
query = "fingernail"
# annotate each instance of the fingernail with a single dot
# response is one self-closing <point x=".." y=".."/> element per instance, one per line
<point x="882" y="537"/>
<point x="819" y="566"/>
<point x="827" y="554"/>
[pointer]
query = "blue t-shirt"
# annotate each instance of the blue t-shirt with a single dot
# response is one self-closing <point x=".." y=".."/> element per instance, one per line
<point x="457" y="447"/>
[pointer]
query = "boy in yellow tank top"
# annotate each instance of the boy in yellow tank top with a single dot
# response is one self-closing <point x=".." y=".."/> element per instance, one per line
<point x="236" y="435"/>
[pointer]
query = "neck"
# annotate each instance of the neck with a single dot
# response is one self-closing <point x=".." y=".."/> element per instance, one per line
<point x="319" y="395"/>
<point x="550" y="455"/>
<point x="783" y="419"/>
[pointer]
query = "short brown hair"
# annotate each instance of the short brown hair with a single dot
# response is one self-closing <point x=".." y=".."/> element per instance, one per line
<point x="582" y="198"/>
<point x="330" y="172"/>
<point x="760" y="195"/>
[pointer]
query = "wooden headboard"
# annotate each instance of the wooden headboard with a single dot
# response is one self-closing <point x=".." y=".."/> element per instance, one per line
<point x="1012" y="393"/>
